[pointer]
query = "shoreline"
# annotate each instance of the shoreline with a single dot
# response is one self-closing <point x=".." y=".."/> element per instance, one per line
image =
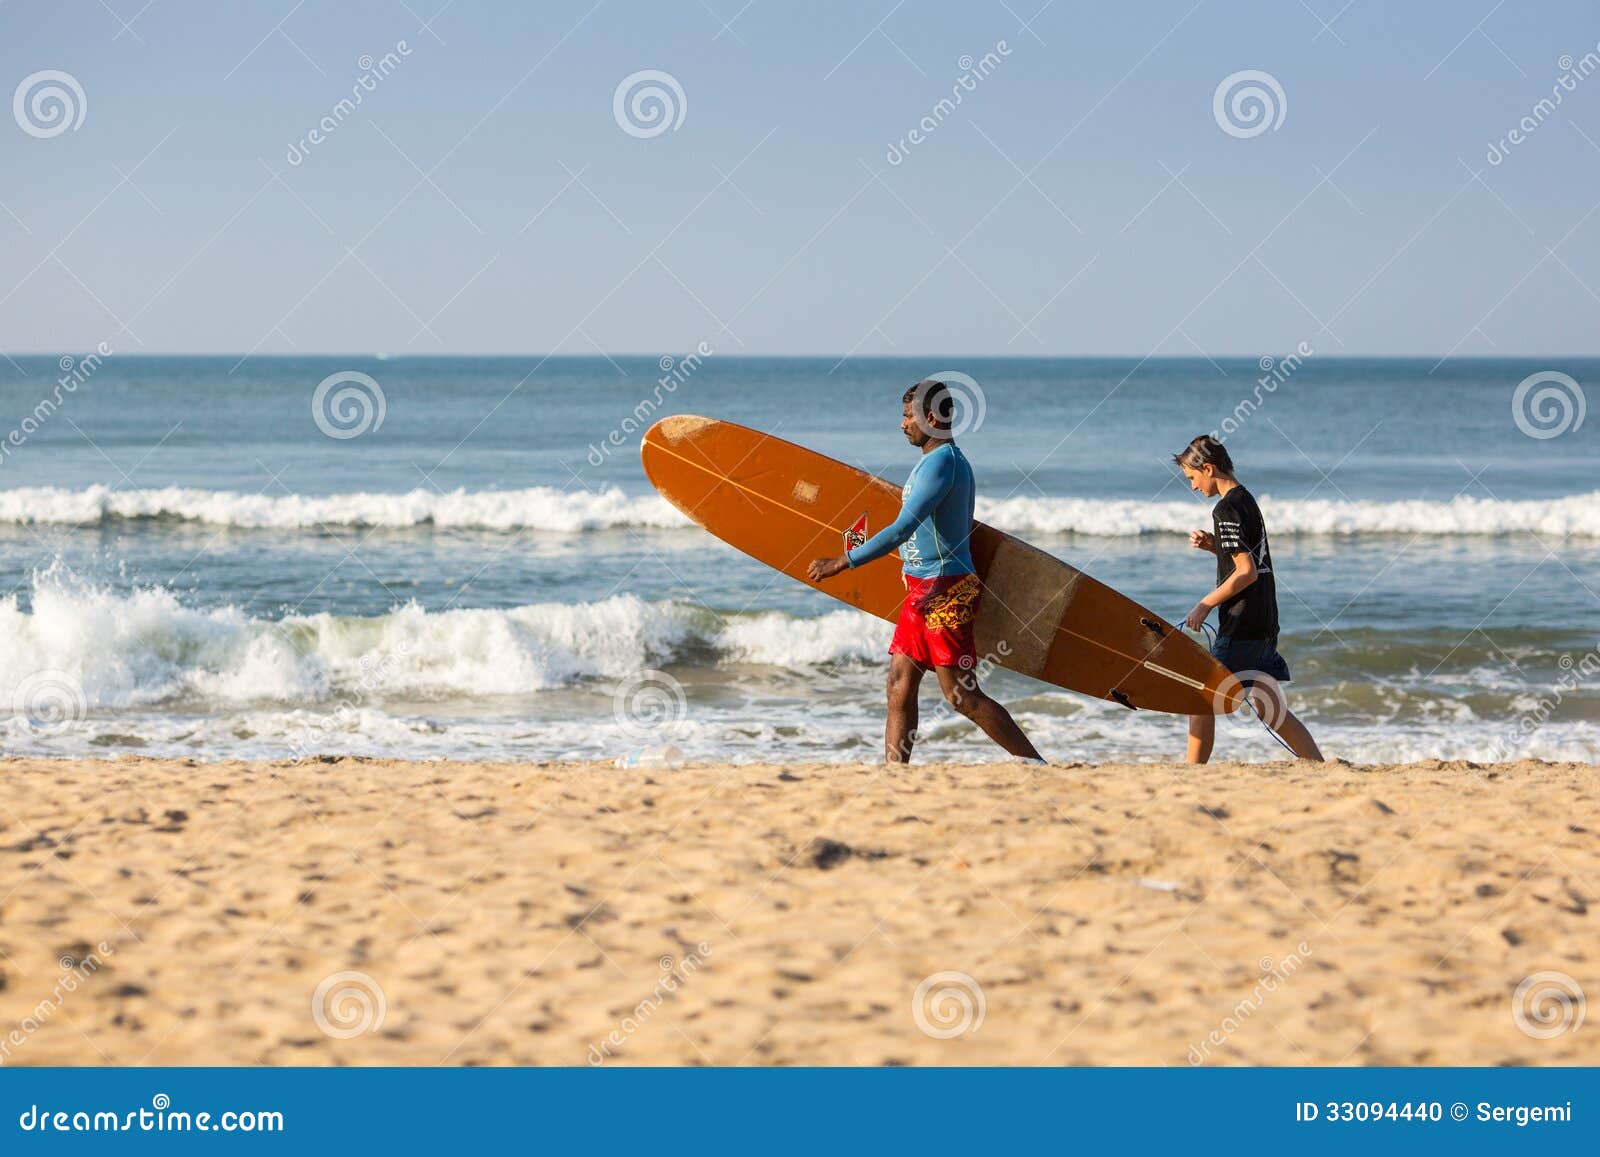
<point x="991" y="914"/>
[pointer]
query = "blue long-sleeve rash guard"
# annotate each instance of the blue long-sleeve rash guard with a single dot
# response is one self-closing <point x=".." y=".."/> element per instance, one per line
<point x="935" y="521"/>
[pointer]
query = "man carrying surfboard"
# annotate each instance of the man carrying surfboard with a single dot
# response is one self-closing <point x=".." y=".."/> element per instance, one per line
<point x="1245" y="598"/>
<point x="935" y="628"/>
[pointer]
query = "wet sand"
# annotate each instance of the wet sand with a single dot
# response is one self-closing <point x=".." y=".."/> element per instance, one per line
<point x="385" y="912"/>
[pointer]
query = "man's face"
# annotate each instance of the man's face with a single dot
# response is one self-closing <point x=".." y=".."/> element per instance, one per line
<point x="1202" y="481"/>
<point x="910" y="427"/>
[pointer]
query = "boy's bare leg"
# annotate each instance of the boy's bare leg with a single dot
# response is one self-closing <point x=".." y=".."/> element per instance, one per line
<point x="1202" y="733"/>
<point x="962" y="692"/>
<point x="900" y="729"/>
<point x="1296" y="735"/>
<point x="1284" y="722"/>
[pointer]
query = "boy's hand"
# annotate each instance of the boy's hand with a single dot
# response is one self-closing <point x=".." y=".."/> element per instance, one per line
<point x="825" y="568"/>
<point x="1197" y="617"/>
<point x="1202" y="540"/>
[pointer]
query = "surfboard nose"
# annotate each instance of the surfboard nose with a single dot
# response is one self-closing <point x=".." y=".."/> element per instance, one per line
<point x="676" y="428"/>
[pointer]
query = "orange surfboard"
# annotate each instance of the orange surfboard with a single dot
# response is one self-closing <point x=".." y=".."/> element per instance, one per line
<point x="784" y="505"/>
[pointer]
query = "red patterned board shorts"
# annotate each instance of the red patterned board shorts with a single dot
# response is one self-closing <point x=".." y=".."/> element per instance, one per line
<point x="935" y="627"/>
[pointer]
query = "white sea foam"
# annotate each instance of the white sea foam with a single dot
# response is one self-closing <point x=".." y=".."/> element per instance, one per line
<point x="778" y="640"/>
<point x="129" y="649"/>
<point x="1577" y="514"/>
<point x="736" y="733"/>
<point x="544" y="508"/>
<point x="164" y="677"/>
<point x="536" y="508"/>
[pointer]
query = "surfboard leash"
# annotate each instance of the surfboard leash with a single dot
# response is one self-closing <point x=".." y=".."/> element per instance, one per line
<point x="1211" y="639"/>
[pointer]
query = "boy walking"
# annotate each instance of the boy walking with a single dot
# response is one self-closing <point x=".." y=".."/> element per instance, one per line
<point x="1245" y="599"/>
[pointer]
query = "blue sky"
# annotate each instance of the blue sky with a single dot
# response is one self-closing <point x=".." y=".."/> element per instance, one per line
<point x="1082" y="199"/>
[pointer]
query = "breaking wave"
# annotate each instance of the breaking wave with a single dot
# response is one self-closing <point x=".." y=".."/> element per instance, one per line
<point x="543" y="508"/>
<point x="143" y="670"/>
<point x="140" y="648"/>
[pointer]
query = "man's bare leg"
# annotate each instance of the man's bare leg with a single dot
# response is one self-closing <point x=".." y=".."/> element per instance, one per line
<point x="1202" y="733"/>
<point x="900" y="730"/>
<point x="962" y="692"/>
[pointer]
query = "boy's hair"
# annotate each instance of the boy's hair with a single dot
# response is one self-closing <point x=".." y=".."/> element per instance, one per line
<point x="1205" y="451"/>
<point x="931" y="397"/>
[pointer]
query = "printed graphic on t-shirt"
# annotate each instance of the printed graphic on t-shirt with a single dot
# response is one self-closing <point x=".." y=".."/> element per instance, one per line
<point x="1239" y="528"/>
<point x="1230" y="537"/>
<point x="910" y="552"/>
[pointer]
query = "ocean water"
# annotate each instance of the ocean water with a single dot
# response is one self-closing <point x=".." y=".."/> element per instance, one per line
<point x="201" y="558"/>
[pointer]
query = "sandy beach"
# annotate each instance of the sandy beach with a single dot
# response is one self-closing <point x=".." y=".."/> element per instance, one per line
<point x="380" y="912"/>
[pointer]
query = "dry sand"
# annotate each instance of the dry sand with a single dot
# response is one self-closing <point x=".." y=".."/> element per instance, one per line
<point x="524" y="914"/>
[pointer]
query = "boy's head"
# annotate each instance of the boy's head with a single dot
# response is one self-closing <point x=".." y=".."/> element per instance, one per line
<point x="926" y="411"/>
<point x="1205" y="462"/>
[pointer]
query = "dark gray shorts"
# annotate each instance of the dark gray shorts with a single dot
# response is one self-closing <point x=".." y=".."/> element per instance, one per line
<point x="1247" y="657"/>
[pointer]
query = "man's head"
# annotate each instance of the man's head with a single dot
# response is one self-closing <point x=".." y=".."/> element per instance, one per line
<point x="1205" y="462"/>
<point x="926" y="411"/>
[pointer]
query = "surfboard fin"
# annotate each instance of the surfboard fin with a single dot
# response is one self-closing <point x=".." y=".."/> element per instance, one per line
<point x="1123" y="699"/>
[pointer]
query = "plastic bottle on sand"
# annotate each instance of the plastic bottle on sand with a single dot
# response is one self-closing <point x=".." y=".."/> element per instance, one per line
<point x="657" y="757"/>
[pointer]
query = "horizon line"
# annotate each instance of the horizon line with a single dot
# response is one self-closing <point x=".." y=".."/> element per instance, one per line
<point x="381" y="356"/>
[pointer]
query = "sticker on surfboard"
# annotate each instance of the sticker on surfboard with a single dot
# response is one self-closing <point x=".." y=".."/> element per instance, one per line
<point x="857" y="534"/>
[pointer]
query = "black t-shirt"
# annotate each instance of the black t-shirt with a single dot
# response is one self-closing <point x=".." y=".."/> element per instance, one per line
<point x="1237" y="525"/>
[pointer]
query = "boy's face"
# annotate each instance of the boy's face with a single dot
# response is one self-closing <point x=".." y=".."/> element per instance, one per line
<point x="1202" y="481"/>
